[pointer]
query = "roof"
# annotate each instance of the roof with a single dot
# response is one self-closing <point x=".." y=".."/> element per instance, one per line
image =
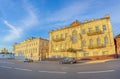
<point x="75" y="23"/>
<point x="32" y="38"/>
<point x="117" y="36"/>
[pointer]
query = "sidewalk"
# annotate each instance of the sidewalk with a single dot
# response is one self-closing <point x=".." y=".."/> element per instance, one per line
<point x="99" y="61"/>
<point x="95" y="61"/>
<point x="57" y="62"/>
<point x="47" y="62"/>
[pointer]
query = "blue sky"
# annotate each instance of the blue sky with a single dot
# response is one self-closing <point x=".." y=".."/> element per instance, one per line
<point x="20" y="19"/>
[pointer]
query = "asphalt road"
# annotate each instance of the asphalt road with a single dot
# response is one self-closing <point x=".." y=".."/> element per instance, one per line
<point x="11" y="69"/>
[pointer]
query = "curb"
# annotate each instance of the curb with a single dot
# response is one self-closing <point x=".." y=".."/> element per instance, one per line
<point x="47" y="62"/>
<point x="99" y="61"/>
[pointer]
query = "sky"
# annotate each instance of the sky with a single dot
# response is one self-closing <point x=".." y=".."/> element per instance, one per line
<point x="21" y="19"/>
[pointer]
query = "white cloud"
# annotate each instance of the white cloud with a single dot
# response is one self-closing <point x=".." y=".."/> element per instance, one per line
<point x="32" y="18"/>
<point x="14" y="33"/>
<point x="24" y="24"/>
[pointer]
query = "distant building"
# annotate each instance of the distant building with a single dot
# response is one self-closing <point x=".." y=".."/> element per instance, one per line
<point x="90" y="39"/>
<point x="4" y="50"/>
<point x="117" y="44"/>
<point x="32" y="48"/>
<point x="4" y="53"/>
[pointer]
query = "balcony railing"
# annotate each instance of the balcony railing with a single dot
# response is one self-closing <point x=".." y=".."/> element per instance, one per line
<point x="95" y="33"/>
<point x="96" y="46"/>
<point x="60" y="50"/>
<point x="59" y="39"/>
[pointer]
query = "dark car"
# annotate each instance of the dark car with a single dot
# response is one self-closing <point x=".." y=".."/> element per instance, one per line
<point x="28" y="60"/>
<point x="67" y="61"/>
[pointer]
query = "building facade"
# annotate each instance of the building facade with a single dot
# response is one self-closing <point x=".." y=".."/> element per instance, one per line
<point x="90" y="39"/>
<point x="4" y="50"/>
<point x="32" y="48"/>
<point x="117" y="45"/>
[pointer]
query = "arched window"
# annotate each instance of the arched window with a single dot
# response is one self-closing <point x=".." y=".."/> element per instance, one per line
<point x="74" y="36"/>
<point x="91" y="42"/>
<point x="104" y="27"/>
<point x="60" y="46"/>
<point x="84" y="43"/>
<point x="97" y="28"/>
<point x="105" y="40"/>
<point x="98" y="41"/>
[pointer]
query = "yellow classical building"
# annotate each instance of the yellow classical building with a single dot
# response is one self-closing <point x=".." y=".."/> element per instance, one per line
<point x="32" y="48"/>
<point x="90" y="39"/>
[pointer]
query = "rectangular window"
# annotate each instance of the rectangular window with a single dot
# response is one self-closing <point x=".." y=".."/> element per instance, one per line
<point x="56" y="36"/>
<point x="60" y="46"/>
<point x="66" y="35"/>
<point x="91" y="42"/>
<point x="98" y="41"/>
<point x="83" y="31"/>
<point x="84" y="43"/>
<point x="104" y="27"/>
<point x="105" y="40"/>
<point x="90" y="30"/>
<point x="61" y="35"/>
<point x="86" y="54"/>
<point x="97" y="28"/>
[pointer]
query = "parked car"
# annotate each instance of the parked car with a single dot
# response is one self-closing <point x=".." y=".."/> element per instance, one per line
<point x="28" y="60"/>
<point x="68" y="60"/>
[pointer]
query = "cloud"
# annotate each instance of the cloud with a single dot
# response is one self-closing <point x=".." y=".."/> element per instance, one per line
<point x="19" y="27"/>
<point x="68" y="13"/>
<point x="32" y="18"/>
<point x="114" y="14"/>
<point x="14" y="33"/>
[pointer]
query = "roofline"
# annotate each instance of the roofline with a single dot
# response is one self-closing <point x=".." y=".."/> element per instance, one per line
<point x="81" y="23"/>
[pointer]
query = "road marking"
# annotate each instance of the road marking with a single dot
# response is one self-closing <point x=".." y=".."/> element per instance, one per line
<point x="53" y="72"/>
<point x="95" y="72"/>
<point x="6" y="67"/>
<point x="7" y="62"/>
<point x="22" y="69"/>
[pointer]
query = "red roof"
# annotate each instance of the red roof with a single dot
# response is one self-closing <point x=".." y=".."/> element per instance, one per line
<point x="117" y="36"/>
